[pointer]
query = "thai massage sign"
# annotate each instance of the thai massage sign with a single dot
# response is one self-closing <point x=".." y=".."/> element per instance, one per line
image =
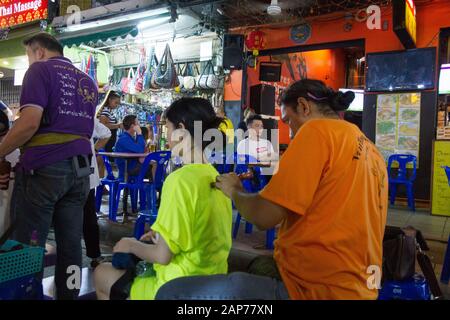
<point x="404" y="22"/>
<point x="16" y="12"/>
<point x="410" y="19"/>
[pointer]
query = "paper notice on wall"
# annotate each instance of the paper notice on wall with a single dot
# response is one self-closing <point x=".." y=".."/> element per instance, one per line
<point x="398" y="124"/>
<point x="440" y="189"/>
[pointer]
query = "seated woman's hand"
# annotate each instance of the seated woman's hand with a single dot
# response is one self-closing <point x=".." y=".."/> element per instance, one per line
<point x="124" y="245"/>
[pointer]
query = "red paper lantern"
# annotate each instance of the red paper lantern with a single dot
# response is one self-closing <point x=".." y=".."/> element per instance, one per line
<point x="255" y="40"/>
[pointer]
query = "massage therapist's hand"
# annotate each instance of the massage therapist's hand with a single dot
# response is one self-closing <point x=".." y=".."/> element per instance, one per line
<point x="228" y="183"/>
<point x="4" y="181"/>
<point x="124" y="245"/>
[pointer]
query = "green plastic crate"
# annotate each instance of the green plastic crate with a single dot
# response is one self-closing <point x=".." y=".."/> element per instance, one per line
<point x="20" y="263"/>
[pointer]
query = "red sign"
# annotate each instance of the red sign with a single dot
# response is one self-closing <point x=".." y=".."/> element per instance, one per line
<point x="15" y="12"/>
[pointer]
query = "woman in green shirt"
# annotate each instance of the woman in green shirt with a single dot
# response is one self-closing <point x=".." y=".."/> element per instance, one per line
<point x="192" y="233"/>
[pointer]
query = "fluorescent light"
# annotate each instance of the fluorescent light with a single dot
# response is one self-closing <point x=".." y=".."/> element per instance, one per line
<point x="119" y="19"/>
<point x="420" y="86"/>
<point x="6" y="63"/>
<point x="151" y="23"/>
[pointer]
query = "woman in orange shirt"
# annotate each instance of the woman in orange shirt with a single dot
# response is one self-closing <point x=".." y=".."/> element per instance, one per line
<point x="330" y="196"/>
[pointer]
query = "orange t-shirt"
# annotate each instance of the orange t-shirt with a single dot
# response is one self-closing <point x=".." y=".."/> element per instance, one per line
<point x="335" y="182"/>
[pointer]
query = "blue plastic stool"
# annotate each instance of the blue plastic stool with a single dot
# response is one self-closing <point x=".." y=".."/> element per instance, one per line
<point x="242" y="167"/>
<point x="149" y="191"/>
<point x="111" y="181"/>
<point x="415" y="288"/>
<point x="24" y="288"/>
<point x="402" y="178"/>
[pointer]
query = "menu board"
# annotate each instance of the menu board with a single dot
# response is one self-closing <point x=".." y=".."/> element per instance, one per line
<point x="398" y="124"/>
<point x="440" y="189"/>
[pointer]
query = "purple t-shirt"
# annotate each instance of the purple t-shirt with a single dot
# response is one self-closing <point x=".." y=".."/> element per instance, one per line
<point x="68" y="98"/>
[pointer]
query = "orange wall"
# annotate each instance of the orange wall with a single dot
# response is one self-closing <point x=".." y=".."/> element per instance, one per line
<point x="431" y="18"/>
<point x="326" y="65"/>
<point x="233" y="86"/>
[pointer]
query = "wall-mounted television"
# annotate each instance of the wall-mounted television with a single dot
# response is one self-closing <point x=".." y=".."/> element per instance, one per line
<point x="444" y="79"/>
<point x="408" y="70"/>
<point x="358" y="103"/>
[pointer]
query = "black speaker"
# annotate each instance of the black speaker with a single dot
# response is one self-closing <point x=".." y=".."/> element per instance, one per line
<point x="262" y="99"/>
<point x="270" y="124"/>
<point x="270" y="71"/>
<point x="233" y="51"/>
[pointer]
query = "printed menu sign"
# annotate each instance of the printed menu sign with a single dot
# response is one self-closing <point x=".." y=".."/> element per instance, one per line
<point x="398" y="124"/>
<point x="15" y="12"/>
<point x="440" y="190"/>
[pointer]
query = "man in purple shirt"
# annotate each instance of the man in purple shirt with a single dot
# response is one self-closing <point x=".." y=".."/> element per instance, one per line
<point x="56" y="122"/>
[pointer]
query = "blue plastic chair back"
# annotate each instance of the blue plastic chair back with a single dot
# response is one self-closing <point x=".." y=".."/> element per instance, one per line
<point x="242" y="161"/>
<point x="403" y="160"/>
<point x="219" y="161"/>
<point x="162" y="159"/>
<point x="108" y="167"/>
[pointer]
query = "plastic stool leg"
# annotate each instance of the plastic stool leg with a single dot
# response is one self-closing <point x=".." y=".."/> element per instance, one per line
<point x="139" y="227"/>
<point x="393" y="189"/>
<point x="111" y="199"/>
<point x="133" y="196"/>
<point x="248" y="227"/>
<point x="142" y="198"/>
<point x="411" y="197"/>
<point x="270" y="238"/>
<point x="116" y="203"/>
<point x="236" y="226"/>
<point x="445" y="275"/>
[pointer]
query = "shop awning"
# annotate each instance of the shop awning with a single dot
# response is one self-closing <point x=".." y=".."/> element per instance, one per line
<point x="12" y="45"/>
<point x="93" y="36"/>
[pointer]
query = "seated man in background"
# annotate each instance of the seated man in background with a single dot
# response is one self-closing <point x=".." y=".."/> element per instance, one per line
<point x="130" y="141"/>
<point x="255" y="146"/>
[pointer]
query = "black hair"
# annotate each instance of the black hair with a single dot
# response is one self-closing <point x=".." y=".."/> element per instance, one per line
<point x="45" y="41"/>
<point x="145" y="133"/>
<point x="105" y="104"/>
<point x="187" y="111"/>
<point x="128" y="121"/>
<point x="328" y="100"/>
<point x="111" y="95"/>
<point x="253" y="118"/>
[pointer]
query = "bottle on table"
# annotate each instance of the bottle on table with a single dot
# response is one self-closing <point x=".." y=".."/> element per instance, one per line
<point x="145" y="270"/>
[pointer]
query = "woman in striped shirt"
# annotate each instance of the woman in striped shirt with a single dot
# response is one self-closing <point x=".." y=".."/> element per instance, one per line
<point x="107" y="117"/>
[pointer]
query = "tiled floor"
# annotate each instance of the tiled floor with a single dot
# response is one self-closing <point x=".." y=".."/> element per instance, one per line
<point x="432" y="227"/>
<point x="435" y="229"/>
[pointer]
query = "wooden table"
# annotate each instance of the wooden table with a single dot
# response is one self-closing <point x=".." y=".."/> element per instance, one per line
<point x="126" y="157"/>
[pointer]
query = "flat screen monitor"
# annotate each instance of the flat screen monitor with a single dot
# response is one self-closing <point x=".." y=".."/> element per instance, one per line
<point x="444" y="79"/>
<point x="358" y="103"/>
<point x="401" y="70"/>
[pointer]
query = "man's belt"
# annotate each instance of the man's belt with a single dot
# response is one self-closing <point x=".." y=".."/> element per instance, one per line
<point x="45" y="139"/>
